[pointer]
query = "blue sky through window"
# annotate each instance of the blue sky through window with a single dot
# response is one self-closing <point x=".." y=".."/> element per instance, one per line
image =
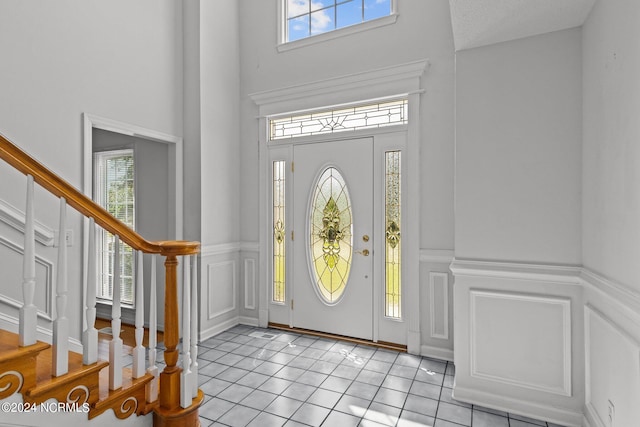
<point x="310" y="17"/>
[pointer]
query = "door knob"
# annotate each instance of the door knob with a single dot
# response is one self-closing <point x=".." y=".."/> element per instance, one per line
<point x="364" y="252"/>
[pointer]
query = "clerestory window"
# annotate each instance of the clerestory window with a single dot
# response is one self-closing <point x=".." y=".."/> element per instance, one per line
<point x="306" y="18"/>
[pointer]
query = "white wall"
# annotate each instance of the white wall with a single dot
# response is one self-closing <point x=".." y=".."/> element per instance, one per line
<point x="118" y="59"/>
<point x="212" y="159"/>
<point x="422" y="31"/>
<point x="517" y="302"/>
<point x="518" y="159"/>
<point x="611" y="210"/>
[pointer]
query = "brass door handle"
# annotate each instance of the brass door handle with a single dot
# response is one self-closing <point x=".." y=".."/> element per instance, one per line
<point x="364" y="252"/>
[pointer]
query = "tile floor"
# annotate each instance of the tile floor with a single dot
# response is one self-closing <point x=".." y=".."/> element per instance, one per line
<point x="300" y="380"/>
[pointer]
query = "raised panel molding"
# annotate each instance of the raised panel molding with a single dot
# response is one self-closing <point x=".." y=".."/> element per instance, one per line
<point x="608" y="344"/>
<point x="14" y="217"/>
<point x="221" y="288"/>
<point x="45" y="312"/>
<point x="250" y="284"/>
<point x="439" y="305"/>
<point x="540" y="309"/>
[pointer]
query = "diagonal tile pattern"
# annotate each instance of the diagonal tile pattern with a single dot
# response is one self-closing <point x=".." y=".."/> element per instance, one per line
<point x="299" y="380"/>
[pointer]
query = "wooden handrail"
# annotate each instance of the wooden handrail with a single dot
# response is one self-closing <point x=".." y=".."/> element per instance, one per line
<point x="26" y="164"/>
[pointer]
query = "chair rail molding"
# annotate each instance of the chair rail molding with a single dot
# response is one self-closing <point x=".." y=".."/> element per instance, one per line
<point x="15" y="218"/>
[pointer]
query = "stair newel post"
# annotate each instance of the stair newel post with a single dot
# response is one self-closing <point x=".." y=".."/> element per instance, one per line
<point x="115" y="346"/>
<point x="90" y="335"/>
<point x="194" y="326"/>
<point x="185" y="376"/>
<point x="61" y="324"/>
<point x="170" y="376"/>
<point x="138" y="351"/>
<point x="28" y="311"/>
<point x="152" y="388"/>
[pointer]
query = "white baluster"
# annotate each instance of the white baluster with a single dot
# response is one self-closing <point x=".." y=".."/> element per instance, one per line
<point x="115" y="346"/>
<point x="185" y="377"/>
<point x="152" y="387"/>
<point x="90" y="335"/>
<point x="28" y="312"/>
<point x="61" y="324"/>
<point x="138" y="351"/>
<point x="194" y="326"/>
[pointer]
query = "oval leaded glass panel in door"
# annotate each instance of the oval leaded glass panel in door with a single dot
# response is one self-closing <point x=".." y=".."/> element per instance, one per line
<point x="331" y="236"/>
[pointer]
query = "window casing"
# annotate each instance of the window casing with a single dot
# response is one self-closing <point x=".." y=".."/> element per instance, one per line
<point x="115" y="191"/>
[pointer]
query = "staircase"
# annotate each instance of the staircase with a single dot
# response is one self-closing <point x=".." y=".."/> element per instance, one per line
<point x="35" y="375"/>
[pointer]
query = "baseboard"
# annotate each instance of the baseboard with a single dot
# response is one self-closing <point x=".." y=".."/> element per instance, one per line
<point x="526" y="408"/>
<point x="11" y="324"/>
<point x="219" y="328"/>
<point x="436" y="352"/>
<point x="249" y="321"/>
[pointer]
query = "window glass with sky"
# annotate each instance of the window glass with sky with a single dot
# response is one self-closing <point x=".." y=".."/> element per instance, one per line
<point x="306" y="18"/>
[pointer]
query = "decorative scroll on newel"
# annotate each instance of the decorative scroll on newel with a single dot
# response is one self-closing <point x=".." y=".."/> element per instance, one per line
<point x="330" y="237"/>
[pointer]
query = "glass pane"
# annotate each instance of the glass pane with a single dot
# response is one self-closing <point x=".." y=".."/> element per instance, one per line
<point x="368" y="116"/>
<point x="376" y="9"/>
<point x="321" y="4"/>
<point x="322" y="21"/>
<point x="299" y="28"/>
<point x="393" y="290"/>
<point x="279" y="231"/>
<point x="331" y="237"/>
<point x="349" y="13"/>
<point x="297" y="8"/>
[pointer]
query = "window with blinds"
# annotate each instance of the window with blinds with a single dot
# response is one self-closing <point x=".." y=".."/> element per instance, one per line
<point x="114" y="190"/>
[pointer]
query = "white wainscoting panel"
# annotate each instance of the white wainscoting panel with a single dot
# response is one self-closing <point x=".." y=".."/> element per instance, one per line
<point x="249" y="284"/>
<point x="612" y="371"/>
<point x="526" y="330"/>
<point x="221" y="288"/>
<point x="12" y="255"/>
<point x="439" y="304"/>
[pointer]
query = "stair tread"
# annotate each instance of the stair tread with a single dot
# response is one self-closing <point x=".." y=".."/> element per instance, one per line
<point x="44" y="374"/>
<point x="10" y="347"/>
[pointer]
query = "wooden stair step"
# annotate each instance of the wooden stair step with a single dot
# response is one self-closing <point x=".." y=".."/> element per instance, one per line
<point x="125" y="401"/>
<point x="17" y="364"/>
<point x="79" y="385"/>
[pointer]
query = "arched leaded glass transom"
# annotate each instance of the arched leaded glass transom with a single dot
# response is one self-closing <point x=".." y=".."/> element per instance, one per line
<point x="331" y="236"/>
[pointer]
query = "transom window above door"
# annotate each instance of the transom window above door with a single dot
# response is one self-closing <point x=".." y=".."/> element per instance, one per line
<point x="307" y="18"/>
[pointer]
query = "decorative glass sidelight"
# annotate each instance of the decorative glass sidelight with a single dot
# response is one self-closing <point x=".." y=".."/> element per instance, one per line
<point x="279" y="272"/>
<point x="393" y="284"/>
<point x="331" y="236"/>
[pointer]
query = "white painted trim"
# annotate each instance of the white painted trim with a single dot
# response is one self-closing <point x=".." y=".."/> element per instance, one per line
<point x="250" y="246"/>
<point x="334" y="34"/>
<point x="217" y="329"/>
<point x="249" y="321"/>
<point x="445" y="304"/>
<point x="249" y="284"/>
<point x="10" y="324"/>
<point x="620" y="293"/>
<point x="438" y="256"/>
<point x="233" y="287"/>
<point x="49" y="290"/>
<point x="518" y="406"/>
<point x="14" y="217"/>
<point x="395" y="81"/>
<point x="591" y="418"/>
<point x="436" y="352"/>
<point x="564" y="303"/>
<point x="568" y="275"/>
<point x="219" y="249"/>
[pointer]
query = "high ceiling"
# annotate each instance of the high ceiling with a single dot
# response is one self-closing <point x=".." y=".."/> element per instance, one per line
<point x="483" y="22"/>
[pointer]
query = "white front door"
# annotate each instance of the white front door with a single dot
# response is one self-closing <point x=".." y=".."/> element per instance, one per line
<point x="334" y="237"/>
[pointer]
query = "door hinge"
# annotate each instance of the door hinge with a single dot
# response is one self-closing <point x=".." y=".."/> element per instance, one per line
<point x="291" y="234"/>
<point x="291" y="304"/>
<point x="291" y="166"/>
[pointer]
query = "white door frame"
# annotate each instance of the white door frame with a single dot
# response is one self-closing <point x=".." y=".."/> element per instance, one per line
<point x="397" y="81"/>
<point x="175" y="146"/>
